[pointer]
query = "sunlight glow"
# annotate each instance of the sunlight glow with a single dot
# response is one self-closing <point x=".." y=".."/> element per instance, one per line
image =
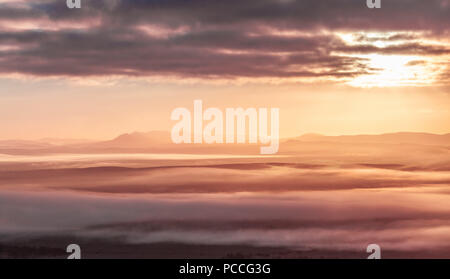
<point x="395" y="70"/>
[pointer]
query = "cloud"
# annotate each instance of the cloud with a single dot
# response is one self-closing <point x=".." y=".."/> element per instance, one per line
<point x="227" y="178"/>
<point x="281" y="203"/>
<point x="397" y="220"/>
<point x="257" y="39"/>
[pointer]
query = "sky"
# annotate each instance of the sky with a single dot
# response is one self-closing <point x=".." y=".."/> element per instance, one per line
<point x="117" y="66"/>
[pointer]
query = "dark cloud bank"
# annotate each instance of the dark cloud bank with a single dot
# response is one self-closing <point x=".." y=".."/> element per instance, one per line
<point x="210" y="39"/>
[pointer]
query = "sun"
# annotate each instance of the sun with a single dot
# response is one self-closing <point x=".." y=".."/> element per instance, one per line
<point x="395" y="70"/>
<point x="385" y="69"/>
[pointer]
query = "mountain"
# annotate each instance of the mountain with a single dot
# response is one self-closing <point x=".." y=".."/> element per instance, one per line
<point x="160" y="142"/>
<point x="138" y="140"/>
<point x="23" y="144"/>
<point x="62" y="141"/>
<point x="391" y="138"/>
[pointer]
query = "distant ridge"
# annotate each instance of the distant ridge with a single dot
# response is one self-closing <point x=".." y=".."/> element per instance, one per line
<point x="401" y="137"/>
<point x="160" y="142"/>
<point x="138" y="140"/>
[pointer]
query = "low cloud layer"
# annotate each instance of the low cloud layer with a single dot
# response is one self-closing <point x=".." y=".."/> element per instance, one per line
<point x="318" y="220"/>
<point x="280" y="203"/>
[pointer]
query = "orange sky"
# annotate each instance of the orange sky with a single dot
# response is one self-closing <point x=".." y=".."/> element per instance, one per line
<point x="102" y="112"/>
<point x="107" y="70"/>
